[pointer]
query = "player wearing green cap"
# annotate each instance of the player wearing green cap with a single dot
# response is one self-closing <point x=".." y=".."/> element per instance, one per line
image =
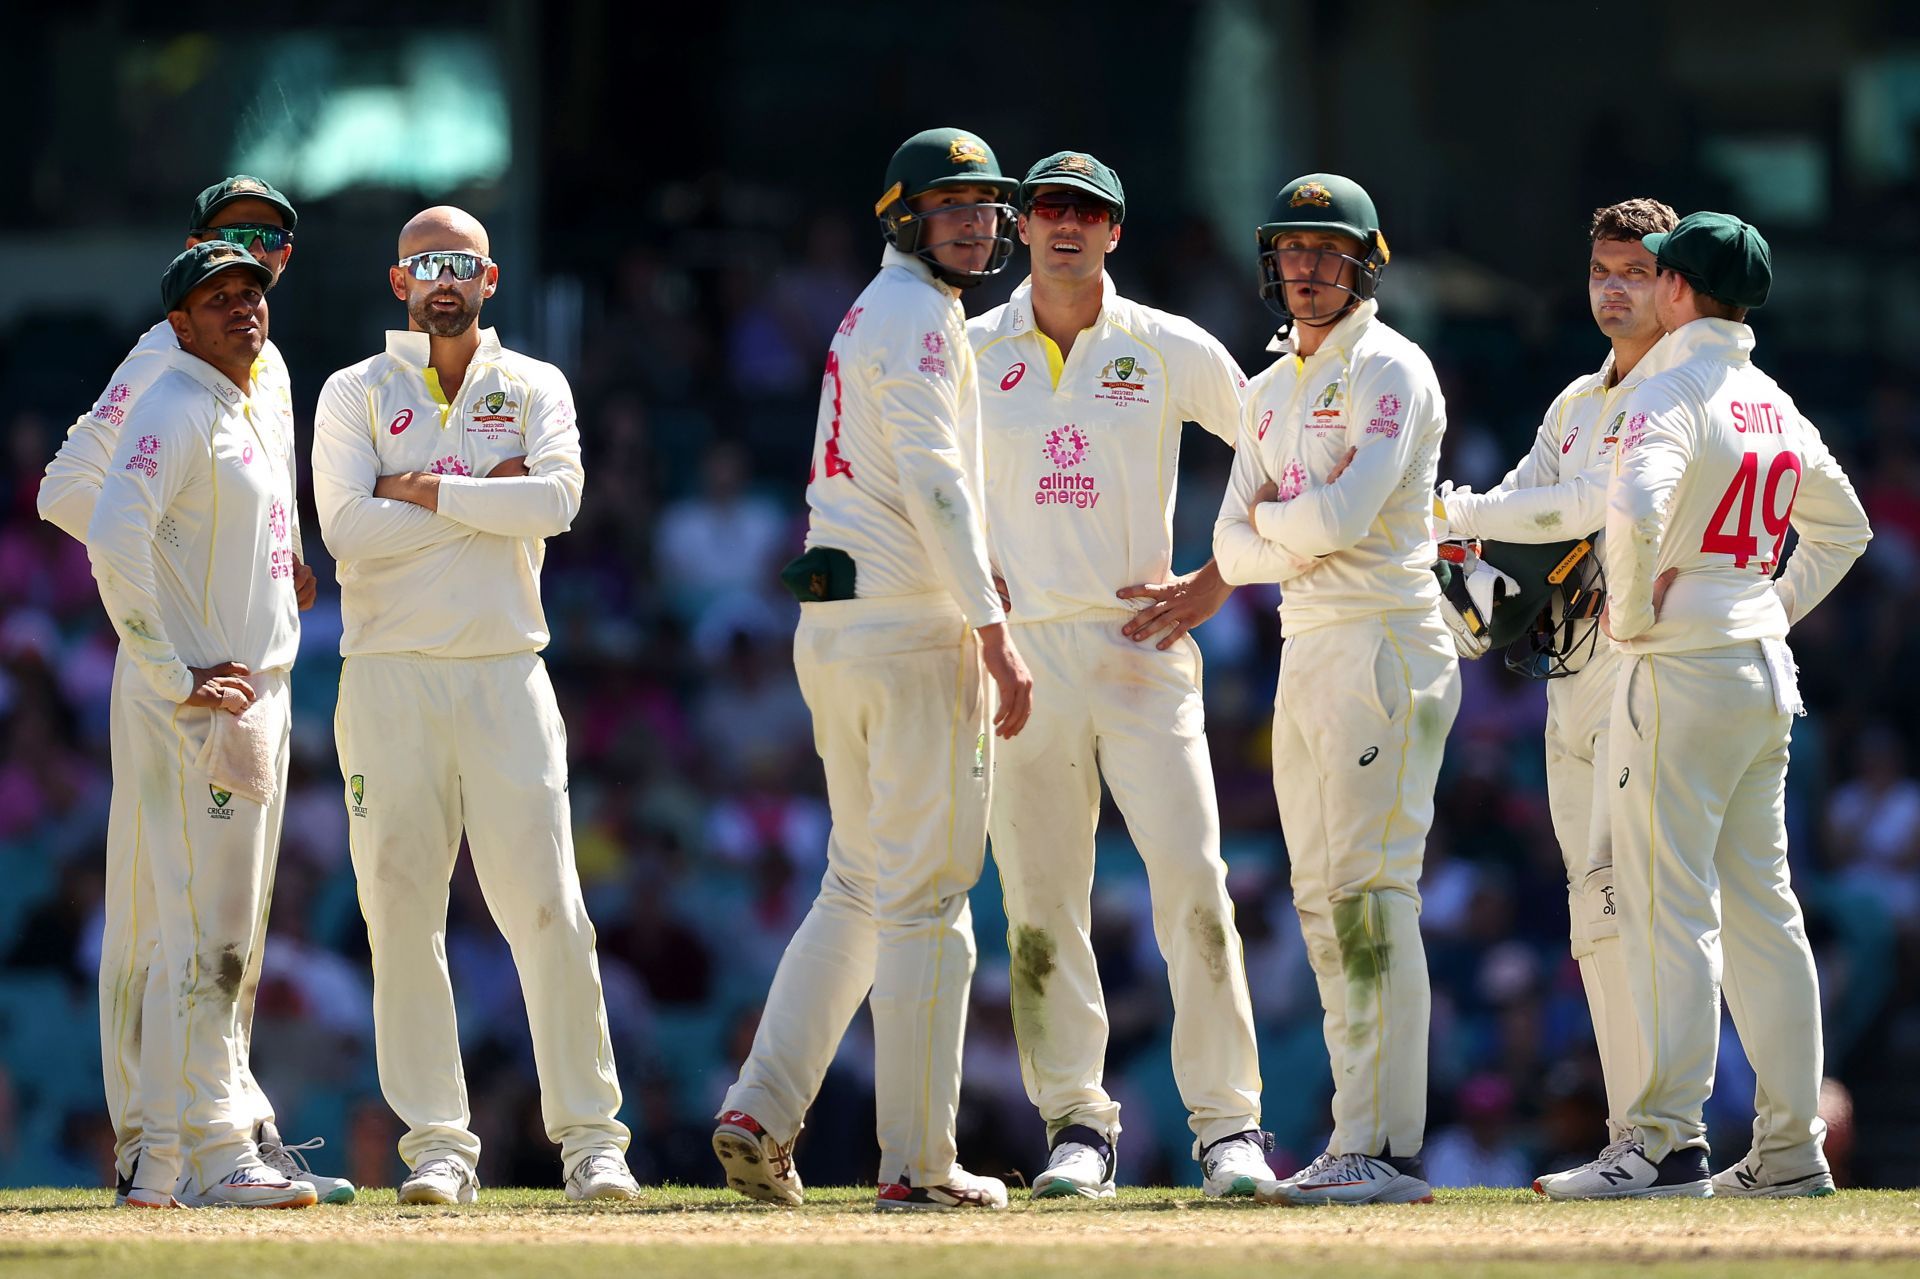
<point x="1558" y="491"/>
<point x="1331" y="495"/>
<point x="900" y="629"/>
<point x="1715" y="465"/>
<point x="136" y="1056"/>
<point x="1083" y="393"/>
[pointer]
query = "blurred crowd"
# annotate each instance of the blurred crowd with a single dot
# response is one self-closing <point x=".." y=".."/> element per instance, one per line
<point x="699" y="805"/>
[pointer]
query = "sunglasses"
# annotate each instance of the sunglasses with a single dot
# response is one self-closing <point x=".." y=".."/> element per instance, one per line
<point x="1091" y="212"/>
<point x="272" y="239"/>
<point x="428" y="266"/>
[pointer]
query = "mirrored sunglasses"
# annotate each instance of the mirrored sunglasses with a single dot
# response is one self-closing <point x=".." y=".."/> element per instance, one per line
<point x="1052" y="209"/>
<point x="428" y="266"/>
<point x="272" y="238"/>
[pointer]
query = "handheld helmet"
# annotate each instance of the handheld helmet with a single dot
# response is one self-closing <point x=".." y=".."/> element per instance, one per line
<point x="939" y="158"/>
<point x="1540" y="602"/>
<point x="1322" y="202"/>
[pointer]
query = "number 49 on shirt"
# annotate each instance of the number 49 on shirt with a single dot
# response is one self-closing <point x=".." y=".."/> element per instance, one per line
<point x="830" y="385"/>
<point x="1740" y="538"/>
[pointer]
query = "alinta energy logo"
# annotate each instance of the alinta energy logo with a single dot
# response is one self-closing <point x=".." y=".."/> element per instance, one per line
<point x="1067" y="447"/>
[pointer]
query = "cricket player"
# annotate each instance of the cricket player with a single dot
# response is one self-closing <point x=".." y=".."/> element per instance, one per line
<point x="1331" y="496"/>
<point x="1082" y="396"/>
<point x="1558" y="491"/>
<point x="1716" y="463"/>
<point x="441" y="466"/>
<point x="898" y="618"/>
<point x="193" y="539"/>
<point x="134" y="1004"/>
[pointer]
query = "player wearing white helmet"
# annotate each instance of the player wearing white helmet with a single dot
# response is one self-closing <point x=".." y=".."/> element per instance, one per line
<point x="899" y="627"/>
<point x="1330" y="497"/>
<point x="137" y="1055"/>
<point x="1558" y="491"/>
<point x="1715" y="464"/>
<point x="1083" y="393"/>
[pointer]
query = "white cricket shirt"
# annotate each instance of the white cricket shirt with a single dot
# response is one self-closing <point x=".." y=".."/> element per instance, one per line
<point x="463" y="581"/>
<point x="896" y="452"/>
<point x="1362" y="546"/>
<point x="191" y="538"/>
<point x="1082" y="453"/>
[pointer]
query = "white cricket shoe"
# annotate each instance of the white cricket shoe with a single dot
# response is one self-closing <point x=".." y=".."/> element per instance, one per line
<point x="251" y="1185"/>
<point x="756" y="1165"/>
<point x="1351" y="1179"/>
<point x="444" y="1179"/>
<point x="1081" y="1164"/>
<point x="128" y="1195"/>
<point x="964" y="1190"/>
<point x="1623" y="1171"/>
<point x="602" y="1176"/>
<point x="1234" y="1166"/>
<point x="1753" y="1179"/>
<point x="291" y="1163"/>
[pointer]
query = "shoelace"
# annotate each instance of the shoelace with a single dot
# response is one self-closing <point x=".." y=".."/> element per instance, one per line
<point x="440" y="1167"/>
<point x="597" y="1165"/>
<point x="288" y="1159"/>
<point x="782" y="1158"/>
<point x="1617" y="1150"/>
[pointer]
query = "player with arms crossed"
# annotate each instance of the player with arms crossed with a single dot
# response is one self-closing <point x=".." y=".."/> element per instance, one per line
<point x="1715" y="465"/>
<point x="1331" y="495"/>
<point x="1083" y="394"/>
<point x="440" y="467"/>
<point x="1559" y="490"/>
<point x="898" y="616"/>
<point x="192" y="541"/>
<point x="137" y="1055"/>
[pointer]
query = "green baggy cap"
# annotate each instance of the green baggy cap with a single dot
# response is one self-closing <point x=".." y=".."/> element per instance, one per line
<point x="201" y="263"/>
<point x="241" y="186"/>
<point x="1719" y="255"/>
<point x="1081" y="171"/>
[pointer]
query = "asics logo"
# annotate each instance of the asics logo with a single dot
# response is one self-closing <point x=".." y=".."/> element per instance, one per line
<point x="1014" y="374"/>
<point x="1372" y="753"/>
<point x="401" y="421"/>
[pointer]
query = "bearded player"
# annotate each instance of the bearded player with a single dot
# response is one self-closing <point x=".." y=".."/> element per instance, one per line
<point x="899" y="627"/>
<point x="1558" y="491"/>
<point x="1330" y="496"/>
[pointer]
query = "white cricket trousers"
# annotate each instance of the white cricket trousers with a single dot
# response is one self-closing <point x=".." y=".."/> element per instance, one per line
<point x="199" y="862"/>
<point x="900" y="718"/>
<point x="1104" y="706"/>
<point x="429" y="745"/>
<point x="1360" y="724"/>
<point x="1579" y="795"/>
<point x="1699" y="758"/>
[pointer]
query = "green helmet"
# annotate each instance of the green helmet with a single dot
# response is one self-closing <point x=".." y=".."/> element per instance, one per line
<point x="939" y="158"/>
<point x="1539" y="601"/>
<point x="1323" y="202"/>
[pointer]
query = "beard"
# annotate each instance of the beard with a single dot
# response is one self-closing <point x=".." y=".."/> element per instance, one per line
<point x="444" y="324"/>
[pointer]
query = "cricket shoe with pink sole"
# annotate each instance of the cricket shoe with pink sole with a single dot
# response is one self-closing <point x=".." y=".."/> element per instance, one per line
<point x="755" y="1164"/>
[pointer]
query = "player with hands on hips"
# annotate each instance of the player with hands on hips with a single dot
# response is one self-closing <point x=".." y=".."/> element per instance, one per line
<point x="1714" y="466"/>
<point x="193" y="538"/>
<point x="1083" y="393"/>
<point x="1557" y="492"/>
<point x="900" y="631"/>
<point x="1330" y="496"/>
<point x="440" y="467"/>
<point x="137" y="1055"/>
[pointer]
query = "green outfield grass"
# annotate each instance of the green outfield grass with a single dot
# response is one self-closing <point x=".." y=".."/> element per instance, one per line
<point x="703" y="1233"/>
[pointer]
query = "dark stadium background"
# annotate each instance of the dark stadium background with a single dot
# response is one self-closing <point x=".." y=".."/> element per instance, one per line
<point x="680" y="200"/>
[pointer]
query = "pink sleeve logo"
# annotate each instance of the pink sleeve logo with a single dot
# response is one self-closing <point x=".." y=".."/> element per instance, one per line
<point x="1066" y="446"/>
<point x="1389" y="406"/>
<point x="119" y="393"/>
<point x="149" y="444"/>
<point x="1636" y="432"/>
<point x="277" y="520"/>
<point x="933" y="365"/>
<point x="1292" y="482"/>
<point x="933" y="342"/>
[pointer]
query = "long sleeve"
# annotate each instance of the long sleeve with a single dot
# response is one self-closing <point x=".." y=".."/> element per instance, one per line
<point x="920" y="405"/>
<point x="158" y="455"/>
<point x="354" y="524"/>
<point x="1242" y="554"/>
<point x="71" y="486"/>
<point x="543" y="503"/>
<point x="1212" y="387"/>
<point x="1533" y="504"/>
<point x="1647" y="470"/>
<point x="1832" y="526"/>
<point x="1393" y="411"/>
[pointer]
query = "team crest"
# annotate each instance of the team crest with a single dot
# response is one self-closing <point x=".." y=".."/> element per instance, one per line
<point x="1123" y="367"/>
<point x="1313" y="194"/>
<point x="965" y="150"/>
<point x="358" y="784"/>
<point x="1076" y="164"/>
<point x="1326" y="396"/>
<point x="220" y="797"/>
<point x="495" y="401"/>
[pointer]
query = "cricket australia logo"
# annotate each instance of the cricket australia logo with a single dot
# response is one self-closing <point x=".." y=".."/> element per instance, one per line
<point x="1325" y="417"/>
<point x="220" y="811"/>
<point x="357" y="785"/>
<point x="1122" y="380"/>
<point x="1067" y="447"/>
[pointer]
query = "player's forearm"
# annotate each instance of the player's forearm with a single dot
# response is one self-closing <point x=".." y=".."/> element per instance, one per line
<point x="516" y="506"/>
<point x="371" y="528"/>
<point x="1332" y="517"/>
<point x="67" y="502"/>
<point x="1554" y="513"/>
<point x="1242" y="556"/>
<point x="941" y="506"/>
<point x="123" y="570"/>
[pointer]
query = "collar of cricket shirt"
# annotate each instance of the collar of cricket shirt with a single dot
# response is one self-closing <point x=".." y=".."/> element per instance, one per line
<point x="891" y="256"/>
<point x="415" y="350"/>
<point x="1020" y="306"/>
<point x="1728" y="341"/>
<point x="1340" y="337"/>
<point x="213" y="379"/>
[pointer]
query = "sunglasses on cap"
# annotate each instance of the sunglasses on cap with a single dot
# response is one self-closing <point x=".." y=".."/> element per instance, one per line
<point x="1051" y="208"/>
<point x="272" y="239"/>
<point x="428" y="266"/>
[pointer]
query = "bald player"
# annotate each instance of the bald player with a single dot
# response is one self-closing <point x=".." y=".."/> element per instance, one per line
<point x="1331" y="494"/>
<point x="1715" y="465"/>
<point x="1559" y="491"/>
<point x="137" y="1058"/>
<point x="1083" y="393"/>
<point x="192" y="544"/>
<point x="441" y="466"/>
